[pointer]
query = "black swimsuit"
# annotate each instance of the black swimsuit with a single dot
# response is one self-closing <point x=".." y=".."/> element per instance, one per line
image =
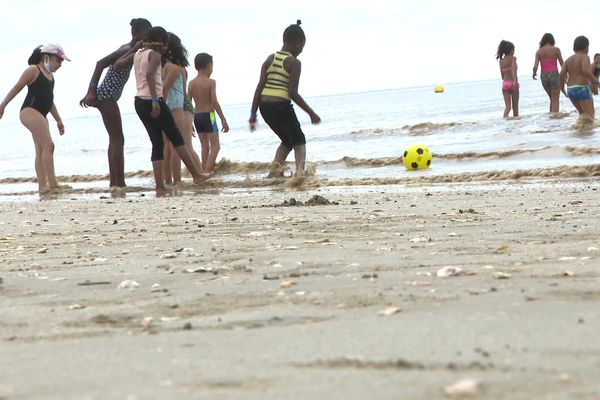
<point x="40" y="94"/>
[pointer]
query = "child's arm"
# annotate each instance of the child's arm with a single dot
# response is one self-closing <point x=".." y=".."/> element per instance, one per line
<point x="28" y="76"/>
<point x="513" y="69"/>
<point x="259" y="87"/>
<point x="563" y="78"/>
<point x="127" y="59"/>
<point x="216" y="105"/>
<point x="56" y="116"/>
<point x="295" y="70"/>
<point x="91" y="96"/>
<point x="536" y="64"/>
<point x="560" y="59"/>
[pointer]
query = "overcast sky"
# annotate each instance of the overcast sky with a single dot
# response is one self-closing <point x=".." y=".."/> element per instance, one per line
<point x="352" y="45"/>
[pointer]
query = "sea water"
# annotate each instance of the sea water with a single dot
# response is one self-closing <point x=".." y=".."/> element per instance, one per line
<point x="362" y="135"/>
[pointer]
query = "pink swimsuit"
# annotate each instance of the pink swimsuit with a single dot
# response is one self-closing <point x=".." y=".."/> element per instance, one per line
<point x="550" y="65"/>
<point x="508" y="84"/>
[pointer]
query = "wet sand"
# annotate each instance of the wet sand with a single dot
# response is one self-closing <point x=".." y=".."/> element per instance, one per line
<point x="259" y="295"/>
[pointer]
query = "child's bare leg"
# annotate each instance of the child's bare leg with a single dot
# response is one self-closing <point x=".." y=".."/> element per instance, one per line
<point x="215" y="147"/>
<point x="515" y="101"/>
<point x="175" y="160"/>
<point x="300" y="155"/>
<point x="554" y="100"/>
<point x="37" y="124"/>
<point x="587" y="107"/>
<point x="187" y="159"/>
<point x="187" y="133"/>
<point x="507" y="100"/>
<point x="157" y="168"/>
<point x="279" y="161"/>
<point x="166" y="166"/>
<point x="204" y="149"/>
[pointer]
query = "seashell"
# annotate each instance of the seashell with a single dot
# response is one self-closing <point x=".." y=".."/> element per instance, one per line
<point x="463" y="388"/>
<point x="76" y="307"/>
<point x="502" y="275"/>
<point x="43" y="250"/>
<point x="128" y="284"/>
<point x="389" y="311"/>
<point x="168" y="256"/>
<point x="448" y="271"/>
<point x="287" y="284"/>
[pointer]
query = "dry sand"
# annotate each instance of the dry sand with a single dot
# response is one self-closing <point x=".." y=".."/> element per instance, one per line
<point x="253" y="296"/>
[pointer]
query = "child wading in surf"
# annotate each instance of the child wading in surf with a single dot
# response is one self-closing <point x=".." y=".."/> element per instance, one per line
<point x="277" y="87"/>
<point x="510" y="81"/>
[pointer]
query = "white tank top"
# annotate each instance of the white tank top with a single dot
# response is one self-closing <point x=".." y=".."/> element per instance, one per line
<point x="140" y="65"/>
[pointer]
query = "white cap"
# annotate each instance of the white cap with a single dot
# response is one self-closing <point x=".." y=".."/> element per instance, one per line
<point x="55" y="49"/>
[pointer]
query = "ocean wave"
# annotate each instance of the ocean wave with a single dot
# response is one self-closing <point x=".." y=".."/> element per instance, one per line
<point x="421" y="129"/>
<point x="311" y="182"/>
<point x="582" y="150"/>
<point x="427" y="128"/>
<point x="227" y="167"/>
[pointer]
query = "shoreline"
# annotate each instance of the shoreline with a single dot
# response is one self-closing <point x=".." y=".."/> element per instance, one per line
<point x="394" y="290"/>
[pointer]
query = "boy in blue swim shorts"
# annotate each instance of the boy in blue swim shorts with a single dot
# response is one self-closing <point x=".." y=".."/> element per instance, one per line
<point x="577" y="73"/>
<point x="203" y="90"/>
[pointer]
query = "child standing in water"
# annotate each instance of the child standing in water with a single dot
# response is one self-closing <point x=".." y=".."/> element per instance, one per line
<point x="510" y="81"/>
<point x="577" y="73"/>
<point x="39" y="78"/>
<point x="106" y="95"/>
<point x="154" y="112"/>
<point x="277" y="86"/>
<point x="549" y="57"/>
<point x="203" y="90"/>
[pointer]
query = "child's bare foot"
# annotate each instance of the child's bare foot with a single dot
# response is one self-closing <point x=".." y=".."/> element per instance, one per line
<point x="203" y="177"/>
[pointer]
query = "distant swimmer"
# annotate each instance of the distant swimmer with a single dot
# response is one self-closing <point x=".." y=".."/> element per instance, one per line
<point x="549" y="57"/>
<point x="581" y="82"/>
<point x="510" y="81"/>
<point x="277" y="86"/>
<point x="39" y="78"/>
<point x="105" y="97"/>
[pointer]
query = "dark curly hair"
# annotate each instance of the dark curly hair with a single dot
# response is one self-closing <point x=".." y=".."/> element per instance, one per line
<point x="505" y="47"/>
<point x="176" y="53"/>
<point x="294" y="34"/>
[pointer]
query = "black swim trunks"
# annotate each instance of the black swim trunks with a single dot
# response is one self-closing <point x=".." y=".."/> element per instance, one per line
<point x="280" y="116"/>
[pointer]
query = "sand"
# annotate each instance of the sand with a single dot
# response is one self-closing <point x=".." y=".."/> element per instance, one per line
<point x="255" y="294"/>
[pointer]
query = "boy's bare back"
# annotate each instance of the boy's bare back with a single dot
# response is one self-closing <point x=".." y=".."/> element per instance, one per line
<point x="201" y="88"/>
<point x="579" y="69"/>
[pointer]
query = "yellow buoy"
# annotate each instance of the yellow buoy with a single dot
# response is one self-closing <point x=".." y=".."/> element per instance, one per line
<point x="439" y="89"/>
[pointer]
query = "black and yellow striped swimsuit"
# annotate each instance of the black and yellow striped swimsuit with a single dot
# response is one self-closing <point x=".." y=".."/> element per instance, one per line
<point x="278" y="79"/>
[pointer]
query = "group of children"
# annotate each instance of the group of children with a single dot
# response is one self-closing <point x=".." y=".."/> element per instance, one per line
<point x="577" y="72"/>
<point x="163" y="102"/>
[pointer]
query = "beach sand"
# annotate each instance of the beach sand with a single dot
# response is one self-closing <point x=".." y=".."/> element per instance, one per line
<point x="258" y="295"/>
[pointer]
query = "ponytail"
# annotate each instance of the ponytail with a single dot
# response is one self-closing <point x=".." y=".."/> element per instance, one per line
<point x="504" y="48"/>
<point x="35" y="57"/>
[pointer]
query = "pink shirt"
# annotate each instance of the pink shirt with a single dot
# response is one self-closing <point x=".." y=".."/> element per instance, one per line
<point x="140" y="65"/>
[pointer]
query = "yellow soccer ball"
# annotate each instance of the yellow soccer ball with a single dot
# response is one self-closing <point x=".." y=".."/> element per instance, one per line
<point x="417" y="156"/>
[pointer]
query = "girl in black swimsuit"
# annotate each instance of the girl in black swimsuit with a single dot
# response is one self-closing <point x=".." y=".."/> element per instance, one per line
<point x="39" y="78"/>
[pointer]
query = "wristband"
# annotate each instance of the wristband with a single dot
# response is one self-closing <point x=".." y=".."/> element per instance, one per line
<point x="253" y="115"/>
<point x="155" y="99"/>
<point x="4" y="102"/>
<point x="94" y="85"/>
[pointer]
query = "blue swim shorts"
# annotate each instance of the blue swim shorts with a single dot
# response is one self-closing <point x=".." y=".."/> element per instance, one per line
<point x="579" y="93"/>
<point x="206" y="122"/>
